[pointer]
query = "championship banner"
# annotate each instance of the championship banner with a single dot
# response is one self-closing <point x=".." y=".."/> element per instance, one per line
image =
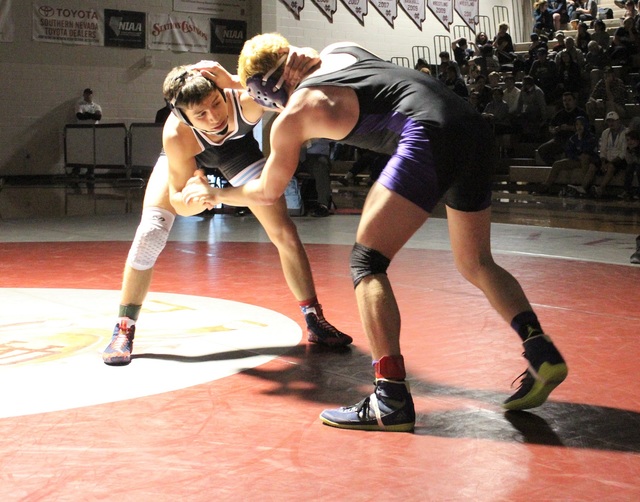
<point x="415" y="10"/>
<point x="443" y="10"/>
<point x="328" y="7"/>
<point x="227" y="36"/>
<point x="7" y="28"/>
<point x="125" y="28"/>
<point x="224" y="9"/>
<point x="178" y="33"/>
<point x="387" y="8"/>
<point x="68" y="24"/>
<point x="358" y="8"/>
<point x="295" y="6"/>
<point x="468" y="11"/>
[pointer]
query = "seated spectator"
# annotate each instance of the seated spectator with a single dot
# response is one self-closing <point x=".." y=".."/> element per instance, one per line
<point x="561" y="127"/>
<point x="572" y="50"/>
<point x="474" y="73"/>
<point x="583" y="38"/>
<point x="87" y="110"/>
<point x="511" y="94"/>
<point x="367" y="160"/>
<point x="624" y="43"/>
<point x="581" y="152"/>
<point x="163" y="113"/>
<point x="585" y="10"/>
<point x="630" y="10"/>
<point x="455" y="82"/>
<point x="482" y="39"/>
<point x="559" y="43"/>
<point x="532" y="109"/>
<point x="462" y="54"/>
<point x="445" y="62"/>
<point x="609" y="94"/>
<point x="613" y="151"/>
<point x="545" y="75"/>
<point x="483" y="90"/>
<point x="600" y="34"/>
<point x="543" y="18"/>
<point x="487" y="61"/>
<point x="595" y="62"/>
<point x="420" y="64"/>
<point x="497" y="114"/>
<point x="317" y="162"/>
<point x="503" y="45"/>
<point x="569" y="75"/>
<point x="474" y="100"/>
<point x="494" y="79"/>
<point x="560" y="11"/>
<point x="632" y="157"/>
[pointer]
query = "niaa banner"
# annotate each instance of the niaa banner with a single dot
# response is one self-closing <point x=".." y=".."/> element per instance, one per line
<point x="7" y="28"/>
<point x="178" y="33"/>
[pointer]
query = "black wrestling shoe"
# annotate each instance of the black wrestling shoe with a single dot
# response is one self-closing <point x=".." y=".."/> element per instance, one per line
<point x="321" y="331"/>
<point x="547" y="369"/>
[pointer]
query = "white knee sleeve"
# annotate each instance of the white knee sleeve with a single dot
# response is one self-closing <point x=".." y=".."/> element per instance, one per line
<point x="150" y="238"/>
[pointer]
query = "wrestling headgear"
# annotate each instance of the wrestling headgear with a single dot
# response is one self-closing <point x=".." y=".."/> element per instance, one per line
<point x="266" y="90"/>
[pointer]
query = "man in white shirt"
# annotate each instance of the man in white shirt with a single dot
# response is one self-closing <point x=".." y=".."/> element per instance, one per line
<point x="613" y="148"/>
<point x="88" y="111"/>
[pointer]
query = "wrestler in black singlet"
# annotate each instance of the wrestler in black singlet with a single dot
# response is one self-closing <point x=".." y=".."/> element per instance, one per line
<point x="440" y="146"/>
<point x="237" y="156"/>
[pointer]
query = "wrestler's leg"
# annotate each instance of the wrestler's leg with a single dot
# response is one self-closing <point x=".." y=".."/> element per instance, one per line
<point x="156" y="222"/>
<point x="283" y="233"/>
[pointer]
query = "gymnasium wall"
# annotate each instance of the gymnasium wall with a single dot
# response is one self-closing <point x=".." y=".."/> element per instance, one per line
<point x="40" y="82"/>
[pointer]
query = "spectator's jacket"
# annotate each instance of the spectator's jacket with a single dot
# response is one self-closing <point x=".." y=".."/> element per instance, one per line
<point x="613" y="148"/>
<point x="587" y="145"/>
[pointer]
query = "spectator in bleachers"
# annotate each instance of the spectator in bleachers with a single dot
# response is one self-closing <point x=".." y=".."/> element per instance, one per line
<point x="462" y="54"/>
<point x="559" y="44"/>
<point x="482" y="39"/>
<point x="474" y="100"/>
<point x="483" y="90"/>
<point x="542" y="18"/>
<point x="487" y="61"/>
<point x="446" y="62"/>
<point x="317" y="162"/>
<point x="87" y="110"/>
<point x="623" y="43"/>
<point x="630" y="10"/>
<point x="420" y="64"/>
<point x="570" y="76"/>
<point x="574" y="52"/>
<point x="503" y="45"/>
<point x="583" y="38"/>
<point x="511" y="94"/>
<point x="613" y="151"/>
<point x="494" y="79"/>
<point x="561" y="127"/>
<point x="497" y="114"/>
<point x="632" y="157"/>
<point x="163" y="113"/>
<point x="600" y="34"/>
<point x="532" y="109"/>
<point x="560" y="11"/>
<point x="581" y="152"/>
<point x="595" y="62"/>
<point x="585" y="10"/>
<point x="474" y="73"/>
<point x="609" y="94"/>
<point x="545" y="74"/>
<point x="455" y="82"/>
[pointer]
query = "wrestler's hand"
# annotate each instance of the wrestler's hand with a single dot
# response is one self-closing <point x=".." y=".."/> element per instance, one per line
<point x="198" y="192"/>
<point x="217" y="73"/>
<point x="300" y="61"/>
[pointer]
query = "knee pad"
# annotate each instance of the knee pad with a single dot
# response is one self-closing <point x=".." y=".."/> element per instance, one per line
<point x="150" y="238"/>
<point x="366" y="261"/>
